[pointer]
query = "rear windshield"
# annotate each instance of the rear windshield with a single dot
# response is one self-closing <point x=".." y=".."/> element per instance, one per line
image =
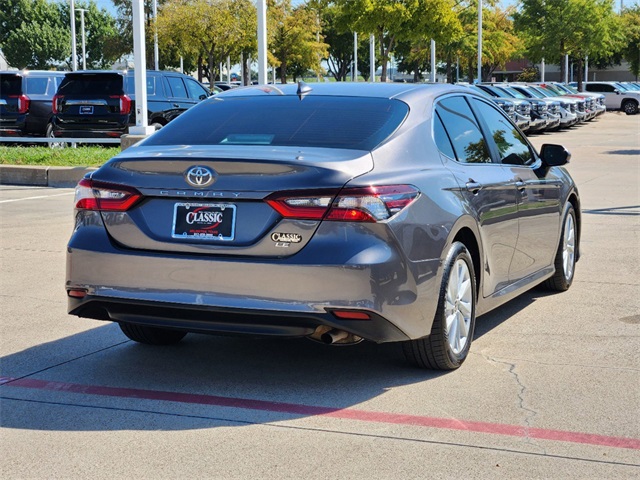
<point x="330" y="122"/>
<point x="89" y="84"/>
<point x="10" y="85"/>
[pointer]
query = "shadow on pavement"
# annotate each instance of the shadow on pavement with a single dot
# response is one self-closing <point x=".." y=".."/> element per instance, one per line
<point x="298" y="372"/>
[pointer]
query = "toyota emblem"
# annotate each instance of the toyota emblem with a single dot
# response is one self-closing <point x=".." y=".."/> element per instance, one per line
<point x="199" y="176"/>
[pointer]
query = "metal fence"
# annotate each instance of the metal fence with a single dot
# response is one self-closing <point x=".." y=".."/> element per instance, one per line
<point x="59" y="141"/>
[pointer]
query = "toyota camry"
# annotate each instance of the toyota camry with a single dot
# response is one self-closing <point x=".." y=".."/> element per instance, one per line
<point x="338" y="212"/>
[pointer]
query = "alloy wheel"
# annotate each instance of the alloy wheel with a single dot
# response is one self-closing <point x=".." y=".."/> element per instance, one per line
<point x="458" y="306"/>
<point x="568" y="249"/>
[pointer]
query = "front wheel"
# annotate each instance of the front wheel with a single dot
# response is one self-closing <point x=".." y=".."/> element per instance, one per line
<point x="452" y="332"/>
<point x="565" y="261"/>
<point x="151" y="335"/>
<point x="630" y="107"/>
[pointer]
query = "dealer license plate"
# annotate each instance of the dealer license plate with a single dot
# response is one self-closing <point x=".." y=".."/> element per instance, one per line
<point x="86" y="110"/>
<point x="204" y="221"/>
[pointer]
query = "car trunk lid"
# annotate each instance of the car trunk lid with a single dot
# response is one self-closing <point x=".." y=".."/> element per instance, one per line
<point x="213" y="200"/>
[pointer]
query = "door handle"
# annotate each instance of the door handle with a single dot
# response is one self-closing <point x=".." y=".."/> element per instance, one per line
<point x="474" y="187"/>
<point x="177" y="105"/>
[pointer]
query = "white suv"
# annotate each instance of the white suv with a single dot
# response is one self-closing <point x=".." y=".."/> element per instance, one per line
<point x="617" y="96"/>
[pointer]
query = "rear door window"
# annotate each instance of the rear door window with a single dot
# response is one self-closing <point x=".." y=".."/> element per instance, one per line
<point x="463" y="129"/>
<point x="130" y="85"/>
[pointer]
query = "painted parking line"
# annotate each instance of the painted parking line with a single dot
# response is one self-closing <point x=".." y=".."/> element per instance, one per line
<point x="36" y="198"/>
<point x="343" y="413"/>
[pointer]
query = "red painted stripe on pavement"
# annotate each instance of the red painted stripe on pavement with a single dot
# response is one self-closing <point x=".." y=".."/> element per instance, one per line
<point x="344" y="413"/>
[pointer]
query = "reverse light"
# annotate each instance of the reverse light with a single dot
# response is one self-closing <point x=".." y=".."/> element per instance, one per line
<point x="101" y="196"/>
<point x="366" y="204"/>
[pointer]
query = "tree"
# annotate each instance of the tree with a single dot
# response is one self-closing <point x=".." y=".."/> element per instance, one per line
<point x="207" y="29"/>
<point x="388" y="20"/>
<point x="295" y="43"/>
<point x="554" y="28"/>
<point x="339" y="40"/>
<point x="631" y="45"/>
<point x="33" y="33"/>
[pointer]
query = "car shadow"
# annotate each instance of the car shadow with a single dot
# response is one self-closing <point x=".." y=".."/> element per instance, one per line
<point x="201" y="374"/>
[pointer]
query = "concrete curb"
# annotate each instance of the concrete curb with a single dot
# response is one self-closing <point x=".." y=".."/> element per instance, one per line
<point x="42" y="176"/>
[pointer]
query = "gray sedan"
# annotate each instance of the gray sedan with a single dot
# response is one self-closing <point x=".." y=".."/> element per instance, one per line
<point x="337" y="212"/>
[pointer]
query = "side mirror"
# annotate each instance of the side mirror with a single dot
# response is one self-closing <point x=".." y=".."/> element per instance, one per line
<point x="616" y="91"/>
<point x="554" y="155"/>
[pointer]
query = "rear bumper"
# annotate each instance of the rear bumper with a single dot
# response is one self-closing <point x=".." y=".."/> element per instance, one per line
<point x="284" y="296"/>
<point x="90" y="133"/>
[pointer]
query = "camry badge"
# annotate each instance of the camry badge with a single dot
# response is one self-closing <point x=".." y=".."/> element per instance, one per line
<point x="199" y="176"/>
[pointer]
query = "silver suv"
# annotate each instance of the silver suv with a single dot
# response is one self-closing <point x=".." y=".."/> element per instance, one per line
<point x="617" y="96"/>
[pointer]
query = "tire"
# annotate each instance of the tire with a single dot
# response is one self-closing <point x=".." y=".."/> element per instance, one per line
<point x="49" y="134"/>
<point x="157" y="125"/>
<point x="565" y="260"/>
<point x="447" y="347"/>
<point x="151" y="335"/>
<point x="630" y="107"/>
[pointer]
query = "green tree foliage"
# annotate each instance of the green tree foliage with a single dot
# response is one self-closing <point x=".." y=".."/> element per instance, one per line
<point x="388" y="20"/>
<point x="210" y="30"/>
<point x="579" y="28"/>
<point x="631" y="45"/>
<point x="339" y="40"/>
<point x="295" y="43"/>
<point x="33" y="33"/>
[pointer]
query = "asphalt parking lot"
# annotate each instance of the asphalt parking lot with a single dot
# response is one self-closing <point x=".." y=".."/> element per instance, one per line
<point x="551" y="388"/>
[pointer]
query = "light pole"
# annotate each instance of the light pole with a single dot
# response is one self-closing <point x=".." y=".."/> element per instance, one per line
<point x="84" y="51"/>
<point x="372" y="58"/>
<point x="74" y="53"/>
<point x="479" y="41"/>
<point x="262" y="41"/>
<point x="156" y="56"/>
<point x="355" y="56"/>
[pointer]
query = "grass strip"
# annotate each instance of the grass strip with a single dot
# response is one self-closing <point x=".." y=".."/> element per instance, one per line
<point x="57" y="157"/>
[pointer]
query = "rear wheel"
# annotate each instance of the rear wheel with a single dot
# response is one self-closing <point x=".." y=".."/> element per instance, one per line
<point x="565" y="261"/>
<point x="630" y="107"/>
<point x="452" y="332"/>
<point x="151" y="335"/>
<point x="49" y="134"/>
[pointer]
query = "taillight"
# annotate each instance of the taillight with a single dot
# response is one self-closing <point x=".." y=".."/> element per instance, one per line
<point x="125" y="103"/>
<point x="367" y="204"/>
<point x="91" y="195"/>
<point x="23" y="102"/>
<point x="310" y="205"/>
<point x="56" y="103"/>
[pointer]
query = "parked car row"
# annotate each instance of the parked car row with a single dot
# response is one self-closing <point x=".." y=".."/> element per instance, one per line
<point x="544" y="107"/>
<point x="89" y="104"/>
